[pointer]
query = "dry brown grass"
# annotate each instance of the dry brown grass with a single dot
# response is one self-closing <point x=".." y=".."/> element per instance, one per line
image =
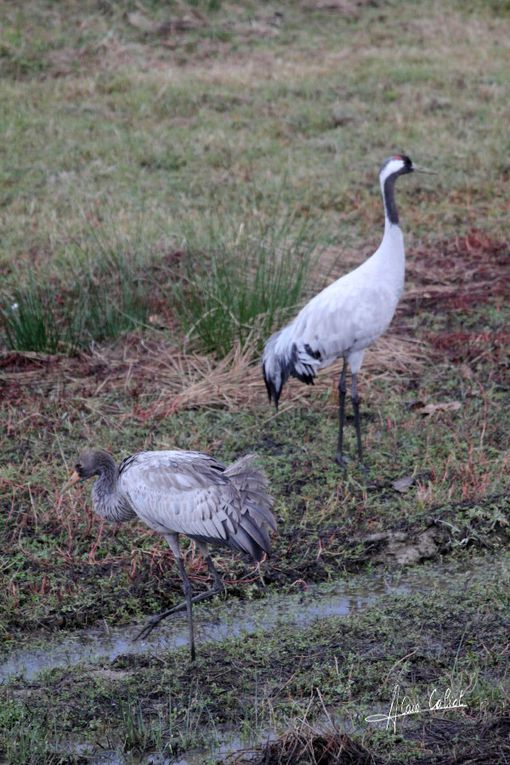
<point x="306" y="743"/>
<point x="162" y="380"/>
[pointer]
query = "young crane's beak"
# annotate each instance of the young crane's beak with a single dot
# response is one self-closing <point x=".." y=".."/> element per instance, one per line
<point x="72" y="480"/>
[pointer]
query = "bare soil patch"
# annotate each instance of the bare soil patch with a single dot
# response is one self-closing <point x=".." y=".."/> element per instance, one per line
<point x="457" y="274"/>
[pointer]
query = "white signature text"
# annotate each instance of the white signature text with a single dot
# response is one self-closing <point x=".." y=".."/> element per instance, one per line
<point x="403" y="707"/>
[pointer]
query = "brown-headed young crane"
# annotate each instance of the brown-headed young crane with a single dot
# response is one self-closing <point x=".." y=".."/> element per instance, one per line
<point x="347" y="316"/>
<point x="186" y="493"/>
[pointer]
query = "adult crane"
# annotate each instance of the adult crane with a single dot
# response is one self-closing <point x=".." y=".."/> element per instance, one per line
<point x="347" y="316"/>
<point x="188" y="493"/>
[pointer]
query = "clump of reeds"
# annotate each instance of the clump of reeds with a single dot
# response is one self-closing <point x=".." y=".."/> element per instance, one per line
<point x="240" y="281"/>
<point x="47" y="317"/>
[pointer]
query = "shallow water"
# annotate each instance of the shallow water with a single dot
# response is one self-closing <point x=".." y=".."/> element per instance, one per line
<point x="213" y="623"/>
<point x="230" y="742"/>
<point x="218" y="620"/>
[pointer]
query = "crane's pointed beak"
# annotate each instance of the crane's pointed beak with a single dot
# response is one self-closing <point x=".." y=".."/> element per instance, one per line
<point x="72" y="480"/>
<point x="420" y="169"/>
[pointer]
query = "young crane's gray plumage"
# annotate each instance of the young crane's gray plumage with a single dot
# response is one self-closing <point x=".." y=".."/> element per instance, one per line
<point x="184" y="493"/>
<point x="346" y="317"/>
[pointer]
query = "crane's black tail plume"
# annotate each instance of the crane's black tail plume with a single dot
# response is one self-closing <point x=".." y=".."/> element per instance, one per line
<point x="282" y="360"/>
<point x="257" y="519"/>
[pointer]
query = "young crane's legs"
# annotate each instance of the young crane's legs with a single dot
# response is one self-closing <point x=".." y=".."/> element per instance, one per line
<point x="157" y="618"/>
<point x="186" y="586"/>
<point x="218" y="581"/>
<point x="187" y="604"/>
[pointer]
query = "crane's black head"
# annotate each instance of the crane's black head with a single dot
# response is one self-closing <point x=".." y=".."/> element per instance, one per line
<point x="399" y="164"/>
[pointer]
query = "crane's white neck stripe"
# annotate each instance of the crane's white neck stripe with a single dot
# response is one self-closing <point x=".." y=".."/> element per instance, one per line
<point x="392" y="166"/>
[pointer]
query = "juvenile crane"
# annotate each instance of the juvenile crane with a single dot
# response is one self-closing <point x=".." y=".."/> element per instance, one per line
<point x="347" y="316"/>
<point x="186" y="493"/>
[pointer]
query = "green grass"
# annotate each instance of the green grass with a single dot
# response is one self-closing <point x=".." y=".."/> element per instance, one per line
<point x="240" y="280"/>
<point x="101" y="305"/>
<point x="30" y="321"/>
<point x="25" y="741"/>
<point x="104" y="136"/>
<point x="235" y="282"/>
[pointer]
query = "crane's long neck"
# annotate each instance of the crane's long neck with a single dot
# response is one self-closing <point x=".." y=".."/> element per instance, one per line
<point x="390" y="206"/>
<point x="109" y="502"/>
<point x="390" y="254"/>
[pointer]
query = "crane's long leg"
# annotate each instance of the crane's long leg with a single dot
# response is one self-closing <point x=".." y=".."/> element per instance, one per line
<point x="173" y="541"/>
<point x="218" y="588"/>
<point x="357" y="422"/>
<point x="186" y="586"/>
<point x="158" y="618"/>
<point x="339" y="457"/>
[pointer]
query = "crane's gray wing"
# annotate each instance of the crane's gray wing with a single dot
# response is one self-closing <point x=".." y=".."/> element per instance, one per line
<point x="189" y="493"/>
<point x="194" y="494"/>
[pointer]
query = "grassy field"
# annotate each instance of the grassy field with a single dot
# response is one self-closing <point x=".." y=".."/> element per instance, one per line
<point x="177" y="178"/>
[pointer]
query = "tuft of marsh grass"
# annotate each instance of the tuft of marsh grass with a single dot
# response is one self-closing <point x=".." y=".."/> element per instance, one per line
<point x="49" y="318"/>
<point x="240" y="280"/>
<point x="107" y="310"/>
<point x="139" y="733"/>
<point x="30" y="321"/>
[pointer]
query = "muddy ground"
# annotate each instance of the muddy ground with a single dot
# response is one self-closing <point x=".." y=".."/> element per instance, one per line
<point x="309" y="686"/>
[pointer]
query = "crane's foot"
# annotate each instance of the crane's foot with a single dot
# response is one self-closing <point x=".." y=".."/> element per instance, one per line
<point x="342" y="460"/>
<point x="157" y="618"/>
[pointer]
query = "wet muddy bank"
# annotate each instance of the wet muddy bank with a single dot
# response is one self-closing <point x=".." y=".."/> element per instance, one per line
<point x="336" y="649"/>
<point x="214" y="623"/>
<point x="224" y="618"/>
